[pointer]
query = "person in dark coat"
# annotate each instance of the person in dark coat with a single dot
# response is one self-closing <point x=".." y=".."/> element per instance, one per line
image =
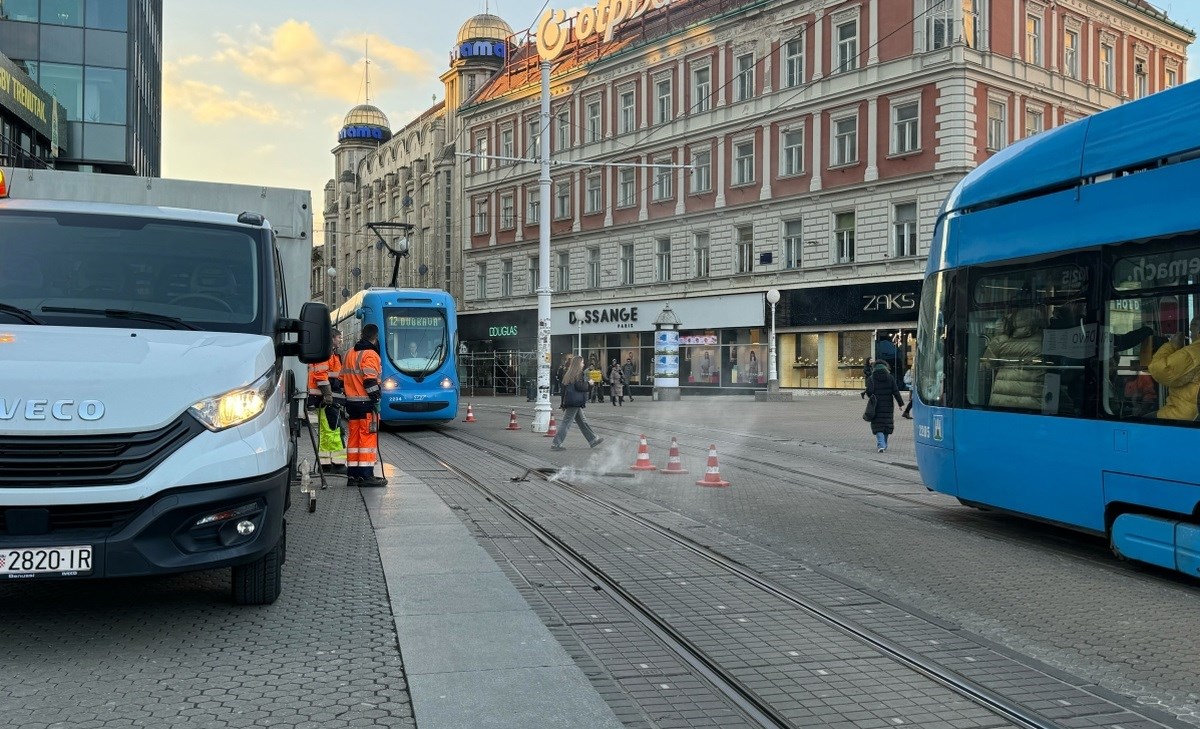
<point x="882" y="386"/>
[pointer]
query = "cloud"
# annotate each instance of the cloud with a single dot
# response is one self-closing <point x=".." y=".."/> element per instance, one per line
<point x="293" y="55"/>
<point x="211" y="104"/>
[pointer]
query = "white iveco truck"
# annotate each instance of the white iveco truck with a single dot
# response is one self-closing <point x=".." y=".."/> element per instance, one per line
<point x="145" y="400"/>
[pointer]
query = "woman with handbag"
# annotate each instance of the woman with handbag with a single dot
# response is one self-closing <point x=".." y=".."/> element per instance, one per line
<point x="574" y="399"/>
<point x="882" y="391"/>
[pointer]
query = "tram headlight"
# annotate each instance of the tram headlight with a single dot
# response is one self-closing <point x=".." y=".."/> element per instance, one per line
<point x="390" y="384"/>
<point x="447" y="383"/>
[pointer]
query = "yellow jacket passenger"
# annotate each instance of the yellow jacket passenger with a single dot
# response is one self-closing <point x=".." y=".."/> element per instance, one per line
<point x="1178" y="368"/>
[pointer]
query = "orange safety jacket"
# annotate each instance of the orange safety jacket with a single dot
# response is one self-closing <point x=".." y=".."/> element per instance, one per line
<point x="328" y="372"/>
<point x="360" y="378"/>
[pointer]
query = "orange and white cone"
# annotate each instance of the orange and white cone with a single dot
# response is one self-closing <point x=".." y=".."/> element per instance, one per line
<point x="553" y="429"/>
<point x="673" y="463"/>
<point x="470" y="415"/>
<point x="712" y="474"/>
<point x="643" y="458"/>
<point x="512" y="421"/>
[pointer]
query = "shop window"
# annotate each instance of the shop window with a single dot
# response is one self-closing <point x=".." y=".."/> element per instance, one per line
<point x="746" y="352"/>
<point x="855" y="350"/>
<point x="700" y="357"/>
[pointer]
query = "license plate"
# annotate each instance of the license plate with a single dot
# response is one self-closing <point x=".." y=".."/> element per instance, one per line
<point x="67" y="561"/>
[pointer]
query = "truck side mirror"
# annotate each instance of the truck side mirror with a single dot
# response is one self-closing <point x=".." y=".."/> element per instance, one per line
<point x="313" y="340"/>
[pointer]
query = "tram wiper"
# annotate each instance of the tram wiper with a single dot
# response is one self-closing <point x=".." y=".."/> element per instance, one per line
<point x="432" y="359"/>
<point x="171" y="321"/>
<point x="24" y="315"/>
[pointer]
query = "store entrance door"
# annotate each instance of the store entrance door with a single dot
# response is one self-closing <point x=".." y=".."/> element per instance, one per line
<point x="897" y="347"/>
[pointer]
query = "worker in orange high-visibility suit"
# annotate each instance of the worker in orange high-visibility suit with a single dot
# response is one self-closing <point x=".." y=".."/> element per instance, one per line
<point x="325" y="395"/>
<point x="360" y="378"/>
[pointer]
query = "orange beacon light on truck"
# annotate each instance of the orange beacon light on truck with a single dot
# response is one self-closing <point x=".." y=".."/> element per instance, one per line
<point x="3" y="184"/>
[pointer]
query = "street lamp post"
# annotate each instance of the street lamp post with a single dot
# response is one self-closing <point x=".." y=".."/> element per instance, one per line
<point x="773" y="376"/>
<point x="579" y="324"/>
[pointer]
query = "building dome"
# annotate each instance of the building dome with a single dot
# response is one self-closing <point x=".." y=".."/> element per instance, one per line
<point x="485" y="27"/>
<point x="366" y="115"/>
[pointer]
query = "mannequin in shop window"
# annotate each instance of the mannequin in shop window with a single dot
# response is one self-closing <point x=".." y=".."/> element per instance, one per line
<point x="752" y="370"/>
<point x="706" y="367"/>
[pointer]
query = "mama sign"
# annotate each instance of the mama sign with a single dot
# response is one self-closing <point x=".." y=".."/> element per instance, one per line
<point x="602" y="20"/>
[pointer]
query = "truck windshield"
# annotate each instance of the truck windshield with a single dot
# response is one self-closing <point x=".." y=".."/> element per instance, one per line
<point x="179" y="274"/>
<point x="415" y="340"/>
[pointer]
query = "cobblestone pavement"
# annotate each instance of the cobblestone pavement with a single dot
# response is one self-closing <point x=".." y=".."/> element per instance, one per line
<point x="175" y="651"/>
<point x="833" y="504"/>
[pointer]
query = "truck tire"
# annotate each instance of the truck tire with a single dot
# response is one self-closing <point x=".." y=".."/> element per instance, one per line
<point x="260" y="582"/>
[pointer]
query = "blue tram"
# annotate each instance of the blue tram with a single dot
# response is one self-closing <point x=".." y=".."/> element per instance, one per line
<point x="418" y="339"/>
<point x="1058" y="349"/>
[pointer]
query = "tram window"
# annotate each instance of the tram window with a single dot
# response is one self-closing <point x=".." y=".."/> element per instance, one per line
<point x="931" y="339"/>
<point x="1152" y="331"/>
<point x="1031" y="337"/>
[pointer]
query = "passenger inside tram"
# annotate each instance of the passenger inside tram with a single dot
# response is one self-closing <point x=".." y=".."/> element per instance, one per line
<point x="1176" y="365"/>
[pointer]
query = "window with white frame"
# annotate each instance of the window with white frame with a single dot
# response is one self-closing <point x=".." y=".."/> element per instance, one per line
<point x="701" y="171"/>
<point x="701" y="88"/>
<point x="845" y="140"/>
<point x="533" y="206"/>
<point x="506" y="278"/>
<point x="1141" y="82"/>
<point x="594" y="129"/>
<point x="1107" y="69"/>
<point x="997" y="125"/>
<point x="843" y="237"/>
<point x="847" y="46"/>
<point x="564" y="271"/>
<point x="971" y="22"/>
<point x="626" y="264"/>
<point x="744" y="81"/>
<point x="939" y="24"/>
<point x="793" y="62"/>
<point x="743" y="162"/>
<point x="508" y="212"/>
<point x="1034" y="122"/>
<point x="663" y="176"/>
<point x="744" y="249"/>
<point x="482" y="162"/>
<point x="628" y="111"/>
<point x="662" y="259"/>
<point x="791" y="151"/>
<point x="562" y="200"/>
<point x="904" y="230"/>
<point x="1033" y="40"/>
<point x="793" y="230"/>
<point x="593" y="196"/>
<point x="481" y="280"/>
<point x="626" y="187"/>
<point x="662" y="100"/>
<point x="532" y="275"/>
<point x="562" y="131"/>
<point x="506" y="145"/>
<point x="700" y="253"/>
<point x="593" y="268"/>
<point x="906" y="127"/>
<point x="1071" y="53"/>
<point x="481" y="215"/>
<point x="533" y="145"/>
<point x="1170" y="78"/>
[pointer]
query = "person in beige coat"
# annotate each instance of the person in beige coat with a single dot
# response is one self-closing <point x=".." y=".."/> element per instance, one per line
<point x="1016" y="356"/>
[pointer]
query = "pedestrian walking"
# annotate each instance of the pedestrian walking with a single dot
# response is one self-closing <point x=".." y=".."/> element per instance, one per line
<point x="882" y="391"/>
<point x="575" y="390"/>
<point x="616" y="383"/>
<point x="595" y="377"/>
<point x="908" y="384"/>
<point x="628" y="370"/>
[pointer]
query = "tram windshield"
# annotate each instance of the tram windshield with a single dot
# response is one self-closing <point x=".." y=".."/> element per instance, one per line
<point x="416" y="339"/>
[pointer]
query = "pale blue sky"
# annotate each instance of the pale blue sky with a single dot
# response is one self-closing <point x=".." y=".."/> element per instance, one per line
<point x="258" y="95"/>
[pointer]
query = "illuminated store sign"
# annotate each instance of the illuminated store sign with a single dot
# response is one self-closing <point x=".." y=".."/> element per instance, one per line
<point x="364" y="132"/>
<point x="478" y="49"/>
<point x="601" y="20"/>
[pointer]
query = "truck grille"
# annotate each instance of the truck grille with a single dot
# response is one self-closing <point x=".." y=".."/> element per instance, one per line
<point x="89" y="460"/>
<point x="106" y="518"/>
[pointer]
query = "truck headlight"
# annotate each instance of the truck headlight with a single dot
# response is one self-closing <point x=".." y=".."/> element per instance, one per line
<point x="236" y="406"/>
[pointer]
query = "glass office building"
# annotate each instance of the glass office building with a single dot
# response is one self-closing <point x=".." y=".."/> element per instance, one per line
<point x="102" y="60"/>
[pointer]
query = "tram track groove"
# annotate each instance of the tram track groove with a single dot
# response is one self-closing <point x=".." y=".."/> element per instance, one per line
<point x="744" y="698"/>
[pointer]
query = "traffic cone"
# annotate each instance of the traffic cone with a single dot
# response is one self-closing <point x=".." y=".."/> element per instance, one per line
<point x="553" y="429"/>
<point x="673" y="463"/>
<point x="712" y="474"/>
<point x="512" y="421"/>
<point x="470" y="415"/>
<point x="643" y="458"/>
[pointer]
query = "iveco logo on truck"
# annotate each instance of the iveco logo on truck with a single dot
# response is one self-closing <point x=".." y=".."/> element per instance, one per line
<point x="35" y="409"/>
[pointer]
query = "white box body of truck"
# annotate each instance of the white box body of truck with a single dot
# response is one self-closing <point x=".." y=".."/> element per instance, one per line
<point x="146" y="410"/>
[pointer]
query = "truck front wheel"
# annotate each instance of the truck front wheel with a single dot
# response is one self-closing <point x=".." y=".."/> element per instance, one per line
<point x="260" y="582"/>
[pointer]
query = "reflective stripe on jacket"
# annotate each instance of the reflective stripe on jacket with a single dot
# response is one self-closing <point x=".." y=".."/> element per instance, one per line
<point x="360" y="374"/>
